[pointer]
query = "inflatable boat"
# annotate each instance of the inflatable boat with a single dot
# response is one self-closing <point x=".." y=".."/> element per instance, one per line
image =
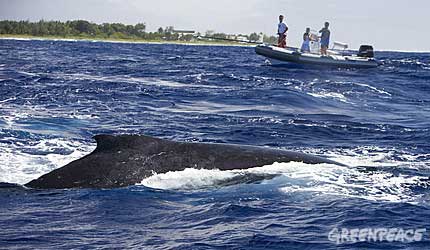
<point x="363" y="59"/>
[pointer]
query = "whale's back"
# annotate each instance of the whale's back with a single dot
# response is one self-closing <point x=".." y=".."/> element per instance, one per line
<point x="125" y="160"/>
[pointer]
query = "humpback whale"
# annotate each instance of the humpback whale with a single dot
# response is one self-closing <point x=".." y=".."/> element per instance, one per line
<point x="124" y="160"/>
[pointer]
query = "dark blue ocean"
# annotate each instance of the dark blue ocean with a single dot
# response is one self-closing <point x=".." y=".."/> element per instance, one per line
<point x="56" y="95"/>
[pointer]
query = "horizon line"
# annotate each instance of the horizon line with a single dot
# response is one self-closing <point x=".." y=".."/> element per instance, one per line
<point x="40" y="38"/>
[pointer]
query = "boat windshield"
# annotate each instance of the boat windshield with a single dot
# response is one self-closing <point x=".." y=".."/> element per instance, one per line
<point x="315" y="42"/>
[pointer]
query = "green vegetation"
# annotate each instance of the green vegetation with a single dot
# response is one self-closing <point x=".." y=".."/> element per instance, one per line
<point x="81" y="29"/>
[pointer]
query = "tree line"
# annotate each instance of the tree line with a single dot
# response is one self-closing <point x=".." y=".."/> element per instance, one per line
<point x="85" y="29"/>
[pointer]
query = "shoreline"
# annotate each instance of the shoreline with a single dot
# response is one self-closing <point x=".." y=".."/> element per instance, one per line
<point x="129" y="41"/>
<point x="141" y="41"/>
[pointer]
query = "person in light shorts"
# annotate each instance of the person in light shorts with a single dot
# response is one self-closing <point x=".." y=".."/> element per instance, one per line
<point x="306" y="41"/>
<point x="325" y="38"/>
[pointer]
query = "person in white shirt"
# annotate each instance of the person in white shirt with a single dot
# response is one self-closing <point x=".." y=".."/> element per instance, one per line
<point x="282" y="33"/>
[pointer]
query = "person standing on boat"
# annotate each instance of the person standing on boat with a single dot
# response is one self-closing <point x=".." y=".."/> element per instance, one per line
<point x="325" y="39"/>
<point x="306" y="48"/>
<point x="282" y="33"/>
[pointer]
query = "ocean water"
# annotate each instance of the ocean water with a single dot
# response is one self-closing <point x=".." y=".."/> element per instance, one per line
<point x="56" y="95"/>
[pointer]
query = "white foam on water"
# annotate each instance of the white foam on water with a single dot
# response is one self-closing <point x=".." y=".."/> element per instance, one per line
<point x="377" y="184"/>
<point x="22" y="160"/>
<point x="8" y="100"/>
<point x="132" y="80"/>
<point x="378" y="157"/>
<point x="265" y="120"/>
<point x="188" y="179"/>
<point x="23" y="163"/>
<point x="14" y="114"/>
<point x="383" y="92"/>
<point x="351" y="182"/>
<point x="330" y="95"/>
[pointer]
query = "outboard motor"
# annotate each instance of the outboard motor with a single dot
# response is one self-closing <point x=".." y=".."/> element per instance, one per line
<point x="366" y="51"/>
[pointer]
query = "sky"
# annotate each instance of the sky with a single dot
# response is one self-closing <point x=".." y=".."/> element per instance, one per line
<point x="386" y="24"/>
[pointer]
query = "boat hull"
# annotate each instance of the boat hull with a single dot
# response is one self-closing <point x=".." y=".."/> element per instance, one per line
<point x="286" y="55"/>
